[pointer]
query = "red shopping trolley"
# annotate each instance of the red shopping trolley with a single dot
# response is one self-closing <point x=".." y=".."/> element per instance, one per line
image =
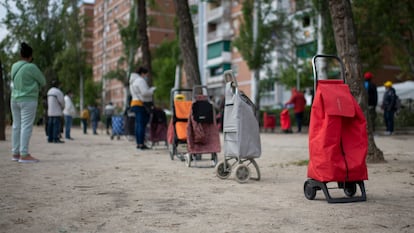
<point x="338" y="141"/>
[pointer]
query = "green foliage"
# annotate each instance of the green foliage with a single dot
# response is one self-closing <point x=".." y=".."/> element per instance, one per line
<point x="321" y="7"/>
<point x="269" y="30"/>
<point x="288" y="76"/>
<point x="39" y="23"/>
<point x="118" y="74"/>
<point x="93" y="92"/>
<point x="382" y="23"/>
<point x="164" y="63"/>
<point x="131" y="42"/>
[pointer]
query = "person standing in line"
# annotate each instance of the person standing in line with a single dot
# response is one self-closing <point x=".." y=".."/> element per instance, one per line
<point x="109" y="112"/>
<point x="56" y="104"/>
<point x="299" y="102"/>
<point x="26" y="80"/>
<point x="95" y="118"/>
<point x="140" y="93"/>
<point x="84" y="119"/>
<point x="68" y="112"/>
<point x="388" y="105"/>
<point x="372" y="94"/>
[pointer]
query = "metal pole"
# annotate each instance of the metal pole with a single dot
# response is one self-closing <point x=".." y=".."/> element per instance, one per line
<point x="255" y="32"/>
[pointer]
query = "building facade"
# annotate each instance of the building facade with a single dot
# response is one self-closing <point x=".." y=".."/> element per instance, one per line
<point x="108" y="47"/>
<point x="217" y="23"/>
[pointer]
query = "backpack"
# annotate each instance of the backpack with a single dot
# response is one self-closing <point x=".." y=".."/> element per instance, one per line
<point x="203" y="111"/>
<point x="397" y="105"/>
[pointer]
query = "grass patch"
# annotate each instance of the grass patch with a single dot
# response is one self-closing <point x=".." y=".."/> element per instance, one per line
<point x="300" y="163"/>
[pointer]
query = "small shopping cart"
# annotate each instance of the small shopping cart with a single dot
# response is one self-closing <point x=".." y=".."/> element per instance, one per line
<point x="241" y="133"/>
<point x="338" y="141"/>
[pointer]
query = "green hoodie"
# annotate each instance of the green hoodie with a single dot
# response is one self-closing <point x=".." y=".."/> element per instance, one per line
<point x="27" y="81"/>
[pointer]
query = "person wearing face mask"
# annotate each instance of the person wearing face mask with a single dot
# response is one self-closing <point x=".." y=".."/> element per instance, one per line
<point x="141" y="93"/>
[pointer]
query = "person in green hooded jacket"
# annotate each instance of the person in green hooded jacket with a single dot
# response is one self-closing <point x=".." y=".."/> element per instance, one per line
<point x="27" y="81"/>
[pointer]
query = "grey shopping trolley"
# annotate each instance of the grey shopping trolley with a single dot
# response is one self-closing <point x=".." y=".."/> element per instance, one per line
<point x="241" y="134"/>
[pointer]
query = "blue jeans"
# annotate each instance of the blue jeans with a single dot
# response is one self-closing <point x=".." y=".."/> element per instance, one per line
<point x="389" y="120"/>
<point x="53" y="128"/>
<point x="23" y="114"/>
<point x="299" y="118"/>
<point x="68" y="125"/>
<point x="141" y="120"/>
<point x="84" y="125"/>
<point x="94" y="126"/>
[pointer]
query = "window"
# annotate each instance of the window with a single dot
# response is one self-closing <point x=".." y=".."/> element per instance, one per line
<point x="306" y="21"/>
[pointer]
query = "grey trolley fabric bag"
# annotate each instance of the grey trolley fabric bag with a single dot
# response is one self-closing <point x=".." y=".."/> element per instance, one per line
<point x="241" y="134"/>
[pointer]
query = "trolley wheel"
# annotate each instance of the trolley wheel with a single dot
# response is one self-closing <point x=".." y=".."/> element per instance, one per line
<point x="187" y="158"/>
<point x="172" y="150"/>
<point x="257" y="169"/>
<point x="309" y="190"/>
<point x="112" y="137"/>
<point x="214" y="159"/>
<point x="221" y="172"/>
<point x="242" y="173"/>
<point x="350" y="189"/>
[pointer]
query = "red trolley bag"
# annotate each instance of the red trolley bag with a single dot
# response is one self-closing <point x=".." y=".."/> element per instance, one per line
<point x="338" y="141"/>
<point x="285" y="124"/>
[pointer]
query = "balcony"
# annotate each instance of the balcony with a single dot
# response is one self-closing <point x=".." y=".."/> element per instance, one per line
<point x="215" y="15"/>
<point x="220" y="34"/>
<point x="225" y="57"/>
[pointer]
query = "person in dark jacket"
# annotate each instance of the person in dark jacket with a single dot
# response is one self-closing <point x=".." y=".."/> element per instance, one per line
<point x="388" y="105"/>
<point x="371" y="89"/>
<point x="95" y="116"/>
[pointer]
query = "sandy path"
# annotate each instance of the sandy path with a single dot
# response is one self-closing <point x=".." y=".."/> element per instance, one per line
<point x="93" y="184"/>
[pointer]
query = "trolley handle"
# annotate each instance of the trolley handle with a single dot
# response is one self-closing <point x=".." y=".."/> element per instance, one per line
<point x="202" y="88"/>
<point x="315" y="70"/>
<point x="177" y="90"/>
<point x="229" y="77"/>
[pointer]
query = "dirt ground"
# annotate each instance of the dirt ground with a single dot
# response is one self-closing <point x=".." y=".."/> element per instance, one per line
<point x="94" y="184"/>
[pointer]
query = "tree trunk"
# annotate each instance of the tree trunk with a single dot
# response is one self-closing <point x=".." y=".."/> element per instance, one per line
<point x="2" y="109"/>
<point x="187" y="43"/>
<point x="347" y="47"/>
<point x="143" y="37"/>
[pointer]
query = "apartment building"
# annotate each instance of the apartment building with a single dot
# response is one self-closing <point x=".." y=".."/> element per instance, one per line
<point x="107" y="44"/>
<point x="86" y="12"/>
<point x="217" y="23"/>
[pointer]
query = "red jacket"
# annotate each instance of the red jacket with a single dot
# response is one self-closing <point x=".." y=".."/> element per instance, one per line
<point x="298" y="100"/>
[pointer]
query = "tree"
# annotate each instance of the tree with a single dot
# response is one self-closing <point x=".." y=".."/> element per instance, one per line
<point x="2" y="110"/>
<point x="386" y="23"/>
<point x="143" y="37"/>
<point x="72" y="73"/>
<point x="131" y="42"/>
<point x="39" y="23"/>
<point x="258" y="37"/>
<point x="166" y="59"/>
<point x="347" y="47"/>
<point x="187" y="43"/>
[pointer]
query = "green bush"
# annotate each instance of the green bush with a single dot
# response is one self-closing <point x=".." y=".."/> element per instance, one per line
<point x="404" y="118"/>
